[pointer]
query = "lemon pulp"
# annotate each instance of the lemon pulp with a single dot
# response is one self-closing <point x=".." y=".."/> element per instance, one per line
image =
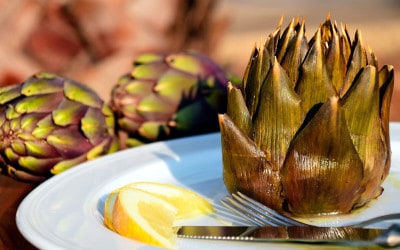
<point x="146" y="211"/>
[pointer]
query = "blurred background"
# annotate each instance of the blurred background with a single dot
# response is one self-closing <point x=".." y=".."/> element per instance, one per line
<point x="95" y="41"/>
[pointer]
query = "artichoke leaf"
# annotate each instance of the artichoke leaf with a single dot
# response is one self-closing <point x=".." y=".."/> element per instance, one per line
<point x="361" y="105"/>
<point x="253" y="78"/>
<point x="9" y="93"/>
<point x="129" y="124"/>
<point x="335" y="61"/>
<point x="138" y="87"/>
<point x="151" y="71"/>
<point x="185" y="63"/>
<point x="362" y="109"/>
<point x="2" y="120"/>
<point x="345" y="44"/>
<point x="24" y="176"/>
<point x="65" y="140"/>
<point x="268" y="55"/>
<point x="15" y="124"/>
<point x="93" y="126"/>
<point x="104" y="147"/>
<point x="237" y="110"/>
<point x="11" y="113"/>
<point x="67" y="164"/>
<point x="25" y="136"/>
<point x="322" y="172"/>
<point x="327" y="32"/>
<point x="295" y="55"/>
<point x="152" y="130"/>
<point x="44" y="127"/>
<point x="148" y="58"/>
<point x="315" y="85"/>
<point x="153" y="107"/>
<point x="278" y="117"/>
<point x="386" y="90"/>
<point x="38" y="86"/>
<point x="173" y="85"/>
<point x="12" y="154"/>
<point x="246" y="168"/>
<point x="386" y="85"/>
<point x="357" y="61"/>
<point x="40" y="104"/>
<point x="45" y="75"/>
<point x="134" y="142"/>
<point x="114" y="146"/>
<point x="99" y="150"/>
<point x="18" y="147"/>
<point x="372" y="59"/>
<point x="82" y="94"/>
<point x="30" y="121"/>
<point x="39" y="166"/>
<point x="109" y="118"/>
<point x="40" y="149"/>
<point x="128" y="109"/>
<point x="288" y="35"/>
<point x="257" y="68"/>
<point x="68" y="112"/>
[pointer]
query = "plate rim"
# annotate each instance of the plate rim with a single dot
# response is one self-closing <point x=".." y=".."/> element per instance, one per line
<point x="35" y="236"/>
<point x="82" y="168"/>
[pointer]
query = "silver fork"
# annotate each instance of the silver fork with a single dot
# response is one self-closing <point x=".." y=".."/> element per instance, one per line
<point x="261" y="215"/>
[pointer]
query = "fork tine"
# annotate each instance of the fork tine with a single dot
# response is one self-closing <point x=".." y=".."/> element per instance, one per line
<point x="274" y="215"/>
<point x="243" y="214"/>
<point x="248" y="212"/>
<point x="256" y="212"/>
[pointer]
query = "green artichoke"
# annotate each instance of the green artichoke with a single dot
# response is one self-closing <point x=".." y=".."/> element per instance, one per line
<point x="49" y="124"/>
<point x="167" y="96"/>
<point x="308" y="132"/>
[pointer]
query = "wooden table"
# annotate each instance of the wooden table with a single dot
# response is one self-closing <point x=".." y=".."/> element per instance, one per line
<point x="11" y="194"/>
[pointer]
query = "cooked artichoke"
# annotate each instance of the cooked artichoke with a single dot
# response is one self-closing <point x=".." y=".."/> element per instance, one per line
<point x="49" y="124"/>
<point x="308" y="132"/>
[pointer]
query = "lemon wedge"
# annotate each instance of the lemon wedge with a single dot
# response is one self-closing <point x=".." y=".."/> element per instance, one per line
<point x="188" y="203"/>
<point x="144" y="217"/>
<point x="108" y="209"/>
<point x="146" y="211"/>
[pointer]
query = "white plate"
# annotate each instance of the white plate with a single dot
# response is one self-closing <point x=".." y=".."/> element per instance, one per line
<point x="65" y="212"/>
